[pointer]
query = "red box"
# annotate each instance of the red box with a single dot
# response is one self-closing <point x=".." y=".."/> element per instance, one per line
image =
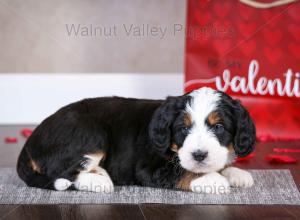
<point x="250" y="50"/>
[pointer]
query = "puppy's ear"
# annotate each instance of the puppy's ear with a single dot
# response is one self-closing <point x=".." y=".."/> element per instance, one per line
<point x="245" y="135"/>
<point x="160" y="126"/>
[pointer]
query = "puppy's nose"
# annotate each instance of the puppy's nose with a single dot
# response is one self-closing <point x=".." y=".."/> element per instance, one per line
<point x="199" y="155"/>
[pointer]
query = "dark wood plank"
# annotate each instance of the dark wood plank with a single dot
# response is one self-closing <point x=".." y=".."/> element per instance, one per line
<point x="24" y="212"/>
<point x="51" y="212"/>
<point x="101" y="212"/>
<point x="153" y="212"/>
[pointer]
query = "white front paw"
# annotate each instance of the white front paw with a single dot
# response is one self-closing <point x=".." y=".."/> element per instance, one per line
<point x="212" y="183"/>
<point x="238" y="177"/>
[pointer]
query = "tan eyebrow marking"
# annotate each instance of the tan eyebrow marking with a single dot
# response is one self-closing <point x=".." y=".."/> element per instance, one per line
<point x="187" y="120"/>
<point x="213" y="118"/>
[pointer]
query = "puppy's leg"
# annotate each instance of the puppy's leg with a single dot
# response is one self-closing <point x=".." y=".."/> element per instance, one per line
<point x="211" y="183"/>
<point x="238" y="177"/>
<point x="93" y="177"/>
<point x="98" y="181"/>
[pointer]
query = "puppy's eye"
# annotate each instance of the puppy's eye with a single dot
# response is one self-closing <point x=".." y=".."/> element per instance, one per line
<point x="218" y="128"/>
<point x="185" y="130"/>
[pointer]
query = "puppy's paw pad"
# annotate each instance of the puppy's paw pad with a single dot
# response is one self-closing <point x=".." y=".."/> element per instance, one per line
<point x="238" y="177"/>
<point x="212" y="183"/>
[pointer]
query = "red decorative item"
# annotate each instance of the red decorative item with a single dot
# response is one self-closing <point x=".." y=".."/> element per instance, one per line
<point x="252" y="53"/>
<point x="26" y="132"/>
<point x="243" y="159"/>
<point x="272" y="158"/>
<point x="10" y="140"/>
<point x="286" y="150"/>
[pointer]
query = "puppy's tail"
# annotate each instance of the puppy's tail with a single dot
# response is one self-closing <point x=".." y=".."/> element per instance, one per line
<point x="31" y="174"/>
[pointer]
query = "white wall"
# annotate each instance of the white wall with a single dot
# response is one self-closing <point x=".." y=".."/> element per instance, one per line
<point x="29" y="98"/>
<point x="34" y="37"/>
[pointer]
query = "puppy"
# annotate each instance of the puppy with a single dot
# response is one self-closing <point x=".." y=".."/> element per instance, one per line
<point x="185" y="142"/>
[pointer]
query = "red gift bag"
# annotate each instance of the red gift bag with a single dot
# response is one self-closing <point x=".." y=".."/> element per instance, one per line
<point x="250" y="50"/>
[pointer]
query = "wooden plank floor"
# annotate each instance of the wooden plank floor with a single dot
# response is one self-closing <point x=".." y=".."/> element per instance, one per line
<point x="9" y="154"/>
